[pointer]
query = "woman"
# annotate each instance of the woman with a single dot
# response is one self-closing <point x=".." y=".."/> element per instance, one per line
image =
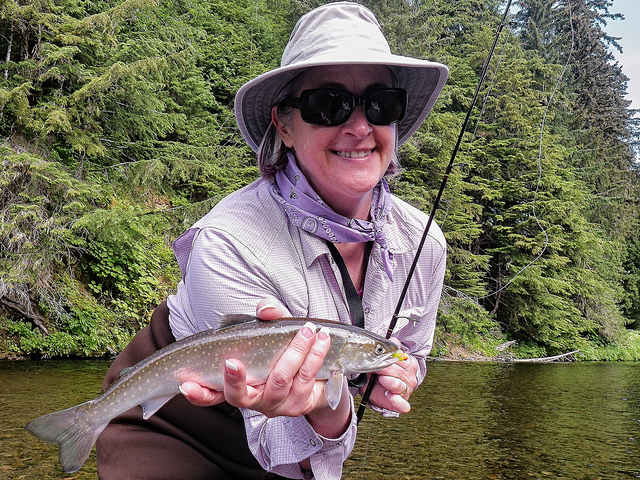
<point x="320" y="236"/>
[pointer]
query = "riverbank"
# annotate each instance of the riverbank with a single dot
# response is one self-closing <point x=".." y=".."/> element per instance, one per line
<point x="14" y="346"/>
<point x="461" y="355"/>
<point x="450" y="348"/>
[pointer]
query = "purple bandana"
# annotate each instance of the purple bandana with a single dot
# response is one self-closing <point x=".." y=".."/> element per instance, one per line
<point x="308" y="211"/>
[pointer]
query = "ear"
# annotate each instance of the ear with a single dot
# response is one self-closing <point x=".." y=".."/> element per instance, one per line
<point x="285" y="131"/>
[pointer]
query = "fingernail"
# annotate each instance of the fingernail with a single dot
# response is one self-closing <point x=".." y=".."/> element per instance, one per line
<point x="323" y="334"/>
<point x="183" y="391"/>
<point x="232" y="368"/>
<point x="308" y="330"/>
<point x="266" y="306"/>
<point x="388" y="394"/>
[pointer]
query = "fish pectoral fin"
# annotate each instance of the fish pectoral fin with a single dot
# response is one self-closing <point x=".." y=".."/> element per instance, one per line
<point x="152" y="405"/>
<point x="333" y="388"/>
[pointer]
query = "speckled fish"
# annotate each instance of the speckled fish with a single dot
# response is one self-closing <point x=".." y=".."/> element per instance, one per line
<point x="155" y="380"/>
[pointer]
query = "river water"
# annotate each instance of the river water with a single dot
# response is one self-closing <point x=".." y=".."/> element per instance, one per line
<point x="468" y="421"/>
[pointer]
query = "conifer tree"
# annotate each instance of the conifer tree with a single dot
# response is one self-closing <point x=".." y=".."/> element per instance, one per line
<point x="117" y="132"/>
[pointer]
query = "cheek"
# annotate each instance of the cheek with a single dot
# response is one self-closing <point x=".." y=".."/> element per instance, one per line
<point x="312" y="140"/>
<point x="388" y="136"/>
<point x="386" y="144"/>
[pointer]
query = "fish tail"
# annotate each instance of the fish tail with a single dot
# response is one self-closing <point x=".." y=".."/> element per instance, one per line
<point x="70" y="430"/>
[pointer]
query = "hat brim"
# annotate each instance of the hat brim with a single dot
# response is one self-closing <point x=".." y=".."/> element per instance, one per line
<point x="423" y="81"/>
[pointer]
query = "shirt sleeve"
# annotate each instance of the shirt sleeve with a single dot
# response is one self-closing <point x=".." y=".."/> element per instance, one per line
<point x="280" y="443"/>
<point x="220" y="276"/>
<point x="416" y="324"/>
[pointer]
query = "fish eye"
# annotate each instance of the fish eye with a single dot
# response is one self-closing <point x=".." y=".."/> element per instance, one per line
<point x="379" y="350"/>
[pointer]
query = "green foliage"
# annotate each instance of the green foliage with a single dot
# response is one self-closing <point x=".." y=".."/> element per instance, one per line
<point x="125" y="263"/>
<point x="631" y="282"/>
<point x="626" y="349"/>
<point x="117" y="132"/>
<point x="530" y="350"/>
<point x="39" y="200"/>
<point x="89" y="329"/>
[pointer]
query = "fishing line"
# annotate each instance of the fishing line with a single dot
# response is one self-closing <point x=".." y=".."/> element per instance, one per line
<point x="539" y="182"/>
<point x="394" y="320"/>
<point x="366" y="449"/>
<point x="483" y="109"/>
<point x="488" y="94"/>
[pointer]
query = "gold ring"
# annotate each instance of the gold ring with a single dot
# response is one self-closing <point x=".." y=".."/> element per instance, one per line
<point x="406" y="389"/>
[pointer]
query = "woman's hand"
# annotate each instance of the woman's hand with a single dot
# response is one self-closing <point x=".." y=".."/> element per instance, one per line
<point x="291" y="388"/>
<point x="395" y="384"/>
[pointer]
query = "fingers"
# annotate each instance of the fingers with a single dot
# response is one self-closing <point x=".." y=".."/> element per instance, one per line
<point x="305" y="380"/>
<point x="405" y="370"/>
<point x="291" y="388"/>
<point x="236" y="390"/>
<point x="397" y="403"/>
<point x="384" y="398"/>
<point x="395" y="384"/>
<point x="291" y="381"/>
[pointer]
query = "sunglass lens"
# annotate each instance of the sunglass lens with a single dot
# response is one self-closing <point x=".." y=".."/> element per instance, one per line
<point x="326" y="107"/>
<point x="330" y="107"/>
<point x="384" y="107"/>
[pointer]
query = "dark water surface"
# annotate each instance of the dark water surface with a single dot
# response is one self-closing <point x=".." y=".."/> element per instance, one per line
<point x="469" y="421"/>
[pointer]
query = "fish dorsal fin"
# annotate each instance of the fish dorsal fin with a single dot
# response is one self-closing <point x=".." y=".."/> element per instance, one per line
<point x="235" y="319"/>
<point x="333" y="388"/>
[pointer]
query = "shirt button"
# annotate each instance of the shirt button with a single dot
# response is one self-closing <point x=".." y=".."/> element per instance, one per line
<point x="312" y="442"/>
<point x="367" y="310"/>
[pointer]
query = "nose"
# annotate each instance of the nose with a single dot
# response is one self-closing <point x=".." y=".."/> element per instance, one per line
<point x="357" y="124"/>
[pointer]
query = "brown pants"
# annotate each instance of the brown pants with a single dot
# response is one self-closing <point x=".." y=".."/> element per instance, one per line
<point x="180" y="441"/>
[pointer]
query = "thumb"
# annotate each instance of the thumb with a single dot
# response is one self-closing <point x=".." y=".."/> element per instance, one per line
<point x="270" y="309"/>
<point x="201" y="396"/>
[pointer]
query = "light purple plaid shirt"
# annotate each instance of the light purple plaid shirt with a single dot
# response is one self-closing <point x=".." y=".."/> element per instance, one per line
<point x="245" y="249"/>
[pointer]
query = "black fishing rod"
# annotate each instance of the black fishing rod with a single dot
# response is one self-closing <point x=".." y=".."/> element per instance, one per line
<point x="396" y="315"/>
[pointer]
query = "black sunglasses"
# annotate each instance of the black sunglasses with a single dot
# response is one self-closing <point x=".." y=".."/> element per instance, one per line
<point x="329" y="106"/>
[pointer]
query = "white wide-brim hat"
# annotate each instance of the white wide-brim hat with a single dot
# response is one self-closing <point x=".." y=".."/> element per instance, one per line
<point x="338" y="33"/>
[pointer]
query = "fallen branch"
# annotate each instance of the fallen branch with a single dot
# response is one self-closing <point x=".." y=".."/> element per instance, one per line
<point x="13" y="305"/>
<point x="503" y="346"/>
<point x="569" y="357"/>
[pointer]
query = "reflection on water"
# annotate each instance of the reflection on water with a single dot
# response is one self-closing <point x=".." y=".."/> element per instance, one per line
<point x="31" y="389"/>
<point x="469" y="421"/>
<point x="510" y="421"/>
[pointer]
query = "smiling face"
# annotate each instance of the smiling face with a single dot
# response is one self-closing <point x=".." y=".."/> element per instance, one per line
<point x="342" y="163"/>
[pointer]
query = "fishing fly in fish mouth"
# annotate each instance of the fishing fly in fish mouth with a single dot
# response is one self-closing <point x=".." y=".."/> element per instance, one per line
<point x="318" y="235"/>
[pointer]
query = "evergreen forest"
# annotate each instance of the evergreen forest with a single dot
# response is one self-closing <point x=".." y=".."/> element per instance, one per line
<point x="117" y="132"/>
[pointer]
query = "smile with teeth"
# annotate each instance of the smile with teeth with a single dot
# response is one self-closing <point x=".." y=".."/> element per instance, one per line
<point x="360" y="154"/>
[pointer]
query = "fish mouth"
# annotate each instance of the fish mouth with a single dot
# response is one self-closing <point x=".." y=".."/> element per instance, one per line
<point x="399" y="354"/>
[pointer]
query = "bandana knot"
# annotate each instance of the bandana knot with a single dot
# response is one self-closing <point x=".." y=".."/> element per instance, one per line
<point x="308" y="211"/>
